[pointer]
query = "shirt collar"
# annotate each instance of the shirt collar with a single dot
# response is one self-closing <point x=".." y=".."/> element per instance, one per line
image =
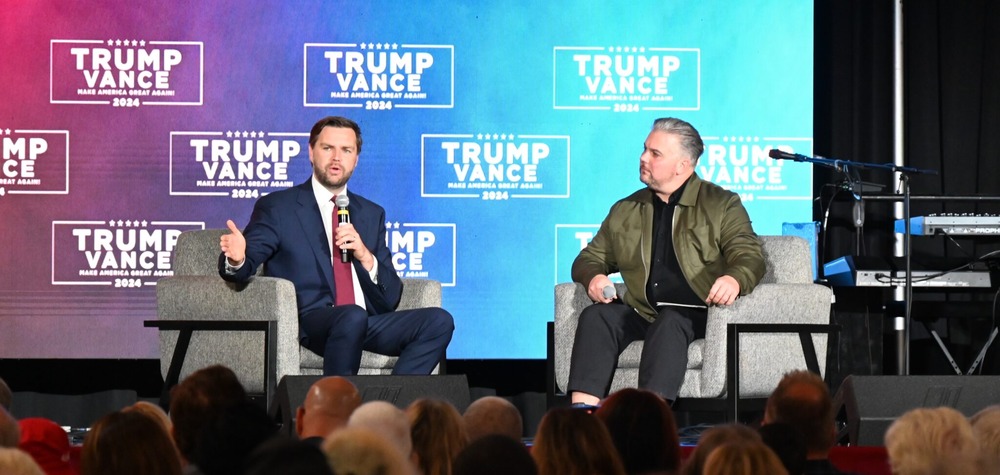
<point x="322" y="194"/>
<point x="675" y="197"/>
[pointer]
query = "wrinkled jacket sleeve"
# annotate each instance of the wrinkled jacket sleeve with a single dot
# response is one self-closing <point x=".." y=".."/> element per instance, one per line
<point x="597" y="258"/>
<point x="741" y="247"/>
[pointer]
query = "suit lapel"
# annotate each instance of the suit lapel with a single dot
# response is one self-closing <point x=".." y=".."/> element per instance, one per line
<point x="313" y="232"/>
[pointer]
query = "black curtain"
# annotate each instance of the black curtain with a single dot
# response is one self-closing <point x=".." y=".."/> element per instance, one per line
<point x="951" y="74"/>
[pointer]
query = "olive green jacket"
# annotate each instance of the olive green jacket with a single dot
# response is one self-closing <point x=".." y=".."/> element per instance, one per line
<point x="712" y="237"/>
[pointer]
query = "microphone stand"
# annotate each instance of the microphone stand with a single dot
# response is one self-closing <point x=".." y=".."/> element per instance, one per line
<point x="902" y="325"/>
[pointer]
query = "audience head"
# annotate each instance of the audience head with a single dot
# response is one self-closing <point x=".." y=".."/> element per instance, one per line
<point x="10" y="432"/>
<point x="571" y="441"/>
<point x="6" y="396"/>
<point x="387" y="420"/>
<point x="287" y="457"/>
<point x="154" y="412"/>
<point x="16" y="462"/>
<point x="327" y="406"/>
<point x="743" y="458"/>
<point x="437" y="433"/>
<point x="48" y="444"/>
<point x="362" y="451"/>
<point x="226" y="441"/>
<point x="787" y="443"/>
<point x="125" y="443"/>
<point x="931" y="441"/>
<point x="492" y="415"/>
<point x="803" y="400"/>
<point x="199" y="398"/>
<point x="643" y="430"/>
<point x="986" y="427"/>
<point x="494" y="454"/>
<point x="713" y="438"/>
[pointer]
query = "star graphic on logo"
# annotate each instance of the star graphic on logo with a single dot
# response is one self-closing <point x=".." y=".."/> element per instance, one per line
<point x="142" y="42"/>
<point x="364" y="46"/>
<point x="111" y="42"/>
<point x="394" y="46"/>
<point x="378" y="45"/>
<point x="144" y="222"/>
<point x="229" y="134"/>
<point x="396" y="225"/>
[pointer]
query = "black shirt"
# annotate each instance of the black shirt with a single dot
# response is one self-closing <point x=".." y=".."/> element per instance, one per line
<point x="666" y="281"/>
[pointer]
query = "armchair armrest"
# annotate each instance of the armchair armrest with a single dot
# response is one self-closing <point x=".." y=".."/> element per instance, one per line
<point x="192" y="297"/>
<point x="420" y="293"/>
<point x="764" y="358"/>
<point x="570" y="299"/>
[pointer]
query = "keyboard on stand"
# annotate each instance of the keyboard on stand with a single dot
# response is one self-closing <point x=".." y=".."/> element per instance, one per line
<point x="869" y="271"/>
<point x="952" y="224"/>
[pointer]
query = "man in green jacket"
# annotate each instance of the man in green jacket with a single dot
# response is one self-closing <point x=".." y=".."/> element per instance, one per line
<point x="681" y="244"/>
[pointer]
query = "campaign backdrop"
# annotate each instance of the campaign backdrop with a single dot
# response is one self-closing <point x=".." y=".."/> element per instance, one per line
<point x="497" y="134"/>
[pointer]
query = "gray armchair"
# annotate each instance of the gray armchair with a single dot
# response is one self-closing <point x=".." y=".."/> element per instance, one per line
<point x="785" y="295"/>
<point x="196" y="293"/>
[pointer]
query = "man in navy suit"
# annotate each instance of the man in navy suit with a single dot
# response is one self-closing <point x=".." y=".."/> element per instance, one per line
<point x="291" y="232"/>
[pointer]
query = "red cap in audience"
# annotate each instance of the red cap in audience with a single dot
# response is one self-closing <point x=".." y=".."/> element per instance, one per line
<point x="49" y="445"/>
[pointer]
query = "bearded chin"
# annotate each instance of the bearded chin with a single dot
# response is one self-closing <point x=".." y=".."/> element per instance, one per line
<point x="326" y="181"/>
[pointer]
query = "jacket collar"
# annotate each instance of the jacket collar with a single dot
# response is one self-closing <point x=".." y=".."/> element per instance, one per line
<point x="689" y="197"/>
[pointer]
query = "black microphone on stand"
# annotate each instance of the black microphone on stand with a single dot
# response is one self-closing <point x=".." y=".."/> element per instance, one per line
<point x="782" y="155"/>
<point x="343" y="217"/>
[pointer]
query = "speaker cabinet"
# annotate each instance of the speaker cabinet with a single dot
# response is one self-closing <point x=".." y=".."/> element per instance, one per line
<point x="870" y="404"/>
<point x="400" y="390"/>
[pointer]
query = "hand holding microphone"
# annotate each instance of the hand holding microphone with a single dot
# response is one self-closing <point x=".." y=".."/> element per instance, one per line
<point x="601" y="289"/>
<point x="347" y="238"/>
<point x="343" y="217"/>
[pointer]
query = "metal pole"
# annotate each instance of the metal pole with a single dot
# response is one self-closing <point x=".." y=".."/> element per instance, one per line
<point x="901" y="322"/>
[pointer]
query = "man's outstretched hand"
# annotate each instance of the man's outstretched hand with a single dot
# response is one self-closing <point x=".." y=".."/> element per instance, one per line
<point x="233" y="245"/>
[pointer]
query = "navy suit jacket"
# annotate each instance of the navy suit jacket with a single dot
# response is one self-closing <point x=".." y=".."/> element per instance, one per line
<point x="285" y="233"/>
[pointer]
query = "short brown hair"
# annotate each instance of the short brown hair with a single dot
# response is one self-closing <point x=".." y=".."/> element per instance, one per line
<point x="337" y="122"/>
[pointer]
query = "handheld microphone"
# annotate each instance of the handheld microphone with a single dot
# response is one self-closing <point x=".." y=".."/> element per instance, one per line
<point x="609" y="292"/>
<point x="343" y="216"/>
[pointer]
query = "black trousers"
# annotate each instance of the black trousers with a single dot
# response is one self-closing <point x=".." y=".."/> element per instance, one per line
<point x="605" y="330"/>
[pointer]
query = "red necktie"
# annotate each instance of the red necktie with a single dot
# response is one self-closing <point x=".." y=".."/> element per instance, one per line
<point x="342" y="279"/>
